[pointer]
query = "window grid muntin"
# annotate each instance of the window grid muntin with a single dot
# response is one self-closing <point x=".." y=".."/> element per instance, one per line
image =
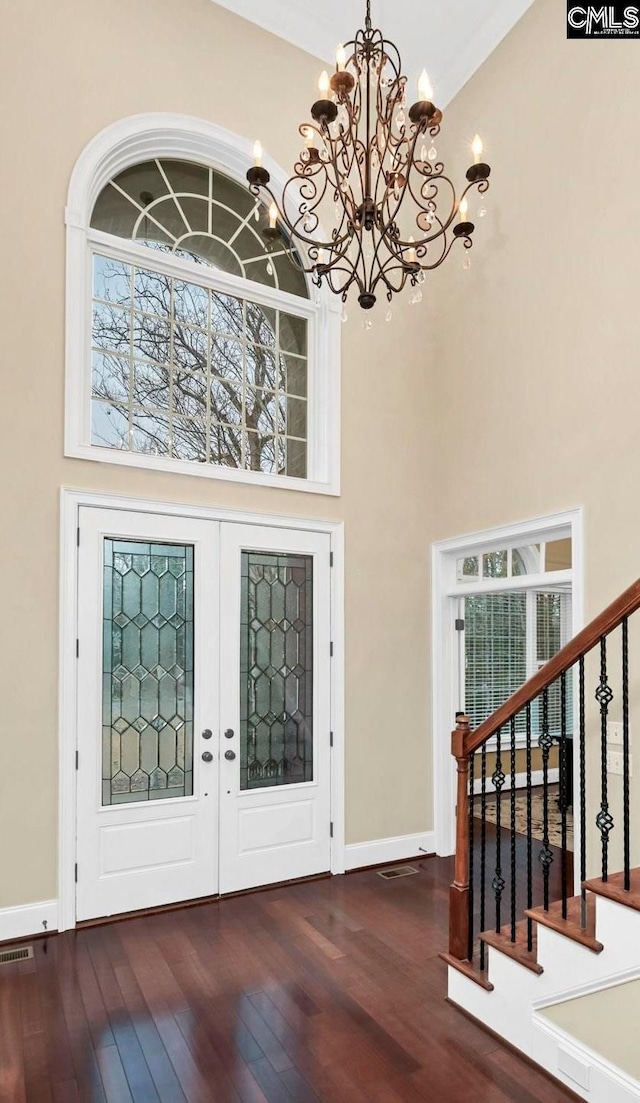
<point x="255" y="217"/>
<point x="211" y="288"/>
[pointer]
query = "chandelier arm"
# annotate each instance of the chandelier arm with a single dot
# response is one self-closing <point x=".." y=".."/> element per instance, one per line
<point x="384" y="276"/>
<point x="352" y="277"/>
<point x="444" y="223"/>
<point x="349" y="152"/>
<point x="388" y="141"/>
<point x="468" y="243"/>
<point x="339" y="192"/>
<point x="294" y="233"/>
<point x="407" y="187"/>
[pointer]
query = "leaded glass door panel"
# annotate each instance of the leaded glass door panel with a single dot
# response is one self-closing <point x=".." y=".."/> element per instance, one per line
<point x="147" y="671"/>
<point x="275" y="672"/>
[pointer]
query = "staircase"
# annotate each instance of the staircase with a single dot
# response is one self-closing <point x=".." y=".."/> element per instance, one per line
<point x="533" y="926"/>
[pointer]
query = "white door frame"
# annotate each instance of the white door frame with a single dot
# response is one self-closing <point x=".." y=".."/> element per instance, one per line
<point x="443" y="665"/>
<point x="70" y="503"/>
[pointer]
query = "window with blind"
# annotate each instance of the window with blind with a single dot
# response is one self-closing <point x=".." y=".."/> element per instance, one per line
<point x="508" y="636"/>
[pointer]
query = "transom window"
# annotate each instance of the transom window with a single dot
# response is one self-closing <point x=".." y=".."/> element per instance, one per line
<point x="194" y="212"/>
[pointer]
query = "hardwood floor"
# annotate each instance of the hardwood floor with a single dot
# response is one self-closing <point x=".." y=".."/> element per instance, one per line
<point x="330" y="990"/>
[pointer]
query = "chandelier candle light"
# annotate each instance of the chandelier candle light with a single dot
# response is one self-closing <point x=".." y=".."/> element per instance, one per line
<point x="365" y="156"/>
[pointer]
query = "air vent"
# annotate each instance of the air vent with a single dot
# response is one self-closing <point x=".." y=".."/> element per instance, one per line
<point x="21" y="953"/>
<point x="397" y="871"/>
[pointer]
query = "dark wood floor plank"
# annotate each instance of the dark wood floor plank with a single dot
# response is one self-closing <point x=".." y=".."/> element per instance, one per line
<point x="160" y="1067"/>
<point x="324" y="992"/>
<point x="12" y="1062"/>
<point x="113" y="1076"/>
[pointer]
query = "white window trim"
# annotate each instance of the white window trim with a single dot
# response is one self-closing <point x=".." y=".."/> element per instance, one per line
<point x="128" y="142"/>
<point x="445" y="640"/>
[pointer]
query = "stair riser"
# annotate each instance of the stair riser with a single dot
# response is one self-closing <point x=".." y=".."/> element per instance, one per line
<point x="618" y="929"/>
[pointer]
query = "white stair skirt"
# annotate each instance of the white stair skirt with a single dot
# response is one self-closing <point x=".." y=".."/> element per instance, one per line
<point x="518" y="1007"/>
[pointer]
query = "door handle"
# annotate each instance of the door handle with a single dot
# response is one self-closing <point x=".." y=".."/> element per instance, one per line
<point x="207" y="756"/>
<point x="230" y="755"/>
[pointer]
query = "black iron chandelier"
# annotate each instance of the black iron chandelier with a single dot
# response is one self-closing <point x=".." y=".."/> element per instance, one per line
<point x="397" y="215"/>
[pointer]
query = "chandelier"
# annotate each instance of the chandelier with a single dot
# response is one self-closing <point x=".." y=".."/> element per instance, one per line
<point x="396" y="214"/>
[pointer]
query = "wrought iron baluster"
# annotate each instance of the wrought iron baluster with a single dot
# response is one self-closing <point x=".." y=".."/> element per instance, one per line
<point x="483" y="847"/>
<point x="563" y="789"/>
<point x="583" y="798"/>
<point x="471" y="852"/>
<point x="529" y="835"/>
<point x="498" y="778"/>
<point x="604" y="819"/>
<point x="625" y="755"/>
<point x="513" y="828"/>
<point x="545" y="743"/>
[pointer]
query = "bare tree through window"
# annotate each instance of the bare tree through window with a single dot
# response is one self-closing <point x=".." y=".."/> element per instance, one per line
<point x="183" y="371"/>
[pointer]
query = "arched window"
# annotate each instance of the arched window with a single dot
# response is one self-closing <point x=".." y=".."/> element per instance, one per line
<point x="204" y="350"/>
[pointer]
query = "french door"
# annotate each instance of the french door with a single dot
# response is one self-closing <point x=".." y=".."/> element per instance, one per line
<point x="203" y="709"/>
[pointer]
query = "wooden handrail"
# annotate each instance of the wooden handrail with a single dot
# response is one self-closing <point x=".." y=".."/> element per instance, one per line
<point x="580" y="645"/>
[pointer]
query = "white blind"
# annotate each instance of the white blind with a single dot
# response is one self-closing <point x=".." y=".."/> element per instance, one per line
<point x="508" y="636"/>
<point x="495" y="645"/>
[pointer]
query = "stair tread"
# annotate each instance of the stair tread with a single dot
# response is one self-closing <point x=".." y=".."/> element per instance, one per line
<point x="517" y="950"/>
<point x="613" y="888"/>
<point x="570" y="927"/>
<point x="469" y="969"/>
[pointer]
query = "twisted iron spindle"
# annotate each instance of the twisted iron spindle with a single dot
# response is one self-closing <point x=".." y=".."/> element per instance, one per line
<point x="483" y="846"/>
<point x="545" y="742"/>
<point x="583" y="797"/>
<point x="513" y="828"/>
<point x="529" y="835"/>
<point x="563" y="789"/>
<point x="471" y="853"/>
<point x="625" y="755"/>
<point x="498" y="778"/>
<point x="604" y="819"/>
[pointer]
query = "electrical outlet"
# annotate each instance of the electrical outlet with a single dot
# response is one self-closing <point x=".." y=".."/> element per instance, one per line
<point x="614" y="733"/>
<point x="615" y="763"/>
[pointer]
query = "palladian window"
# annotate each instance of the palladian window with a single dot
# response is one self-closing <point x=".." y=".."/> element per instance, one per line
<point x="201" y="345"/>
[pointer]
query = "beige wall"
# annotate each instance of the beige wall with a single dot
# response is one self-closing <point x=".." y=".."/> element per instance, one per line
<point x="535" y="396"/>
<point x="535" y="399"/>
<point x="510" y="393"/>
<point x="64" y="77"/>
<point x="605" y="1022"/>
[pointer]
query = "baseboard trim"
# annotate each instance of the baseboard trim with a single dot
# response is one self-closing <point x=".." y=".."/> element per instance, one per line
<point x="379" y="851"/>
<point x="579" y="1067"/>
<point x="28" y="919"/>
<point x="537" y="778"/>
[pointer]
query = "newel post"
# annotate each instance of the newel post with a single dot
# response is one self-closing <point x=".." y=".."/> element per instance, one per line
<point x="459" y="891"/>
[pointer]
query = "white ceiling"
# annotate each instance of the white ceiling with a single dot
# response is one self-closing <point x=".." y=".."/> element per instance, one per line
<point x="451" y="38"/>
